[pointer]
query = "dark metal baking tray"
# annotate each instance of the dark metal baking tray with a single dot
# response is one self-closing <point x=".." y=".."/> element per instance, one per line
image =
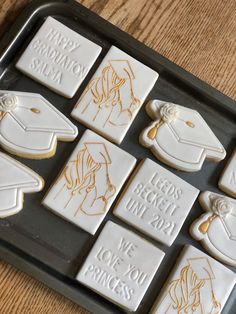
<point x="50" y="248"/>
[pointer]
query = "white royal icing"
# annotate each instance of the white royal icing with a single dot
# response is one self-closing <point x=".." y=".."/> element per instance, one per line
<point x="120" y="266"/>
<point x="30" y="126"/>
<point x="198" y="284"/>
<point x="58" y="57"/>
<point x="156" y="202"/>
<point x="89" y="182"/>
<point x="114" y="95"/>
<point x="8" y="102"/>
<point x="15" y="180"/>
<point x="180" y="137"/>
<point x="216" y="229"/>
<point x="227" y="182"/>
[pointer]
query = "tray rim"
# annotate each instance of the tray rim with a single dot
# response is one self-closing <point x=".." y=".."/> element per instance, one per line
<point x="15" y="256"/>
<point x="34" y="8"/>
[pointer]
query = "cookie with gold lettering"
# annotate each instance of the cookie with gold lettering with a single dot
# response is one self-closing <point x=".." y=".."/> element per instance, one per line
<point x="198" y="284"/>
<point x="15" y="180"/>
<point x="30" y="126"/>
<point x="120" y="266"/>
<point x="180" y="137"/>
<point x="216" y="229"/>
<point x="114" y="95"/>
<point x="58" y="58"/>
<point x="227" y="182"/>
<point x="89" y="182"/>
<point x="156" y="202"/>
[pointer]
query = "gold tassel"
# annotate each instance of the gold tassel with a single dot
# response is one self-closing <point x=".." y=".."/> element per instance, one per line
<point x="206" y="224"/>
<point x="153" y="132"/>
<point x="35" y="110"/>
<point x="1" y="115"/>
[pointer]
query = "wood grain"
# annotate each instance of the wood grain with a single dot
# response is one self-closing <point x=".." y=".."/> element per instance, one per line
<point x="198" y="35"/>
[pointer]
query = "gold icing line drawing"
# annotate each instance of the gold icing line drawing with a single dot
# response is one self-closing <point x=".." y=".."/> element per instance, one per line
<point x="80" y="177"/>
<point x="185" y="292"/>
<point x="106" y="91"/>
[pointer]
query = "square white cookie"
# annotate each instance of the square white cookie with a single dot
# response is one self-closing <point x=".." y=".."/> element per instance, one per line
<point x="120" y="266"/>
<point x="114" y="95"/>
<point x="156" y="202"/>
<point x="227" y="182"/>
<point x="58" y="58"/>
<point x="89" y="182"/>
<point x="198" y="284"/>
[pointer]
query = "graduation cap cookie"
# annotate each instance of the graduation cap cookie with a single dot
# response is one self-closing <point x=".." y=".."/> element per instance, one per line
<point x="216" y="229"/>
<point x="180" y="137"/>
<point x="30" y="126"/>
<point x="15" y="180"/>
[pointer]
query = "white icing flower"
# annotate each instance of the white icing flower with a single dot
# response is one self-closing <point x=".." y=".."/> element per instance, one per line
<point x="221" y="206"/>
<point x="169" y="112"/>
<point x="8" y="102"/>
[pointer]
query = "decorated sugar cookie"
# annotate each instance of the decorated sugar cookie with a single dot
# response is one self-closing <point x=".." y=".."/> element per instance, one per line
<point x="156" y="201"/>
<point x="180" y="137"/>
<point x="89" y="182"/>
<point x="120" y="266"/>
<point x="58" y="57"/>
<point x="216" y="229"/>
<point x="114" y="95"/>
<point x="15" y="180"/>
<point x="198" y="284"/>
<point x="30" y="126"/>
<point x="227" y="182"/>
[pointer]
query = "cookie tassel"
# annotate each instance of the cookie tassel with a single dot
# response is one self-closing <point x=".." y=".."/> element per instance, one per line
<point x="153" y="132"/>
<point x="204" y="227"/>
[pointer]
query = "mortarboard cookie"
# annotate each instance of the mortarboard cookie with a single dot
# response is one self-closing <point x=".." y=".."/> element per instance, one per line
<point x="89" y="182"/>
<point x="114" y="95"/>
<point x="15" y="180"/>
<point x="30" y="126"/>
<point x="216" y="229"/>
<point x="227" y="182"/>
<point x="180" y="137"/>
<point x="198" y="284"/>
<point x="58" y="58"/>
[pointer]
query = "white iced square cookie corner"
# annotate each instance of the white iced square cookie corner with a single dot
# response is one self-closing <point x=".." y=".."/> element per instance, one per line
<point x="114" y="95"/>
<point x="15" y="180"/>
<point x="58" y="57"/>
<point x="227" y="182"/>
<point x="89" y="182"/>
<point x="120" y="266"/>
<point x="180" y="137"/>
<point x="216" y="228"/>
<point x="197" y="284"/>
<point x="156" y="202"/>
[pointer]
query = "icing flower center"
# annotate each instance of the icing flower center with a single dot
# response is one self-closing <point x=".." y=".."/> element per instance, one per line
<point x="221" y="206"/>
<point x="169" y="112"/>
<point x="8" y="102"/>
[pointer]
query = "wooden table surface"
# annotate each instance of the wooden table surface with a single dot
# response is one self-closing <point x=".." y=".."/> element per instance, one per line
<point x="198" y="35"/>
